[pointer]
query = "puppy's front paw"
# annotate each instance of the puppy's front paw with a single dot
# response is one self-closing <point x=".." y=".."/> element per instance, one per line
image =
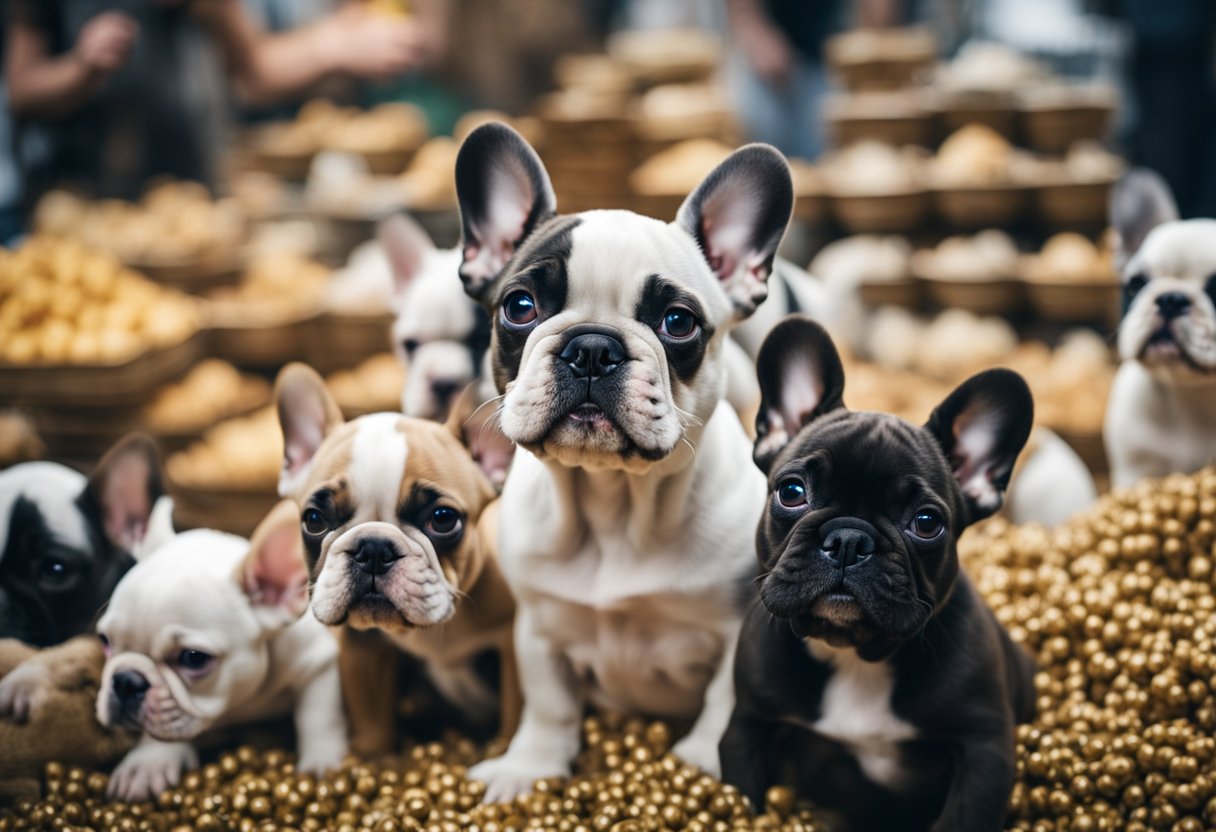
<point x="320" y="757"/>
<point x="507" y="777"/>
<point x="701" y="753"/>
<point x="22" y="691"/>
<point x="150" y="769"/>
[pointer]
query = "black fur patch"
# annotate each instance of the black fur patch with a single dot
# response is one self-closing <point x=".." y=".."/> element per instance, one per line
<point x="683" y="357"/>
<point x="540" y="268"/>
<point x="50" y="591"/>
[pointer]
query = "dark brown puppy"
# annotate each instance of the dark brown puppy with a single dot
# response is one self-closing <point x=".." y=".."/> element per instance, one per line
<point x="870" y="674"/>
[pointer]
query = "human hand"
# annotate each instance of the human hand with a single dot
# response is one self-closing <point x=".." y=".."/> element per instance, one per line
<point x="767" y="50"/>
<point x="376" y="46"/>
<point x="106" y="41"/>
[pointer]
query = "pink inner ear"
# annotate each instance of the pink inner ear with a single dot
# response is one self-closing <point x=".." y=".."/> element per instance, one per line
<point x="125" y="500"/>
<point x="975" y="439"/>
<point x="502" y="226"/>
<point x="277" y="575"/>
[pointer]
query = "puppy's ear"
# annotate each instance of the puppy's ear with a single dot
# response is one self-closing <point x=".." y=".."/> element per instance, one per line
<point x="475" y="423"/>
<point x="801" y="378"/>
<point x="1139" y="202"/>
<point x="275" y="573"/>
<point x="307" y="413"/>
<point x="406" y="245"/>
<point x="504" y="192"/>
<point x="738" y="216"/>
<point x="122" y="490"/>
<point x="160" y="529"/>
<point x="982" y="427"/>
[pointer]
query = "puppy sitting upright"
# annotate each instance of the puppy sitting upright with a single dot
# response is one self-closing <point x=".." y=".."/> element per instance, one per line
<point x="210" y="630"/>
<point x="1159" y="418"/>
<point x="398" y="522"/>
<point x="870" y="673"/>
<point x="627" y="516"/>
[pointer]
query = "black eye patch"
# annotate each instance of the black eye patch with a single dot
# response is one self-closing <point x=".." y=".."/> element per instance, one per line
<point x="1134" y="285"/>
<point x="1209" y="288"/>
<point x="659" y="295"/>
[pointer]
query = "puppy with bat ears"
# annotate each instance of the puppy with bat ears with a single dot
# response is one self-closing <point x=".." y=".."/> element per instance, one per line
<point x="870" y="673"/>
<point x="399" y="524"/>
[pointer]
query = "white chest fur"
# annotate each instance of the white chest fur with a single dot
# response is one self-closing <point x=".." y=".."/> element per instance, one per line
<point x="856" y="712"/>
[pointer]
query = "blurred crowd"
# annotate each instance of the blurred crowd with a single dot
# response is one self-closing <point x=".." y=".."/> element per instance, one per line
<point x="109" y="94"/>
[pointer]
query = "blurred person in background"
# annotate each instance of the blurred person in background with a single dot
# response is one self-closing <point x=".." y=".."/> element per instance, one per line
<point x="1172" y="74"/>
<point x="109" y="93"/>
<point x="776" y="68"/>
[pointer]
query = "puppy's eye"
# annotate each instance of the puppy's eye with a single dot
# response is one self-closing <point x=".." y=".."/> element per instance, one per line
<point x="444" y="523"/>
<point x="194" y="661"/>
<point x="105" y="643"/>
<point x="927" y="524"/>
<point x="679" y="324"/>
<point x="409" y="345"/>
<point x="791" y="493"/>
<point x="314" y="523"/>
<point x="54" y="574"/>
<point x="1133" y="286"/>
<point x="519" y="309"/>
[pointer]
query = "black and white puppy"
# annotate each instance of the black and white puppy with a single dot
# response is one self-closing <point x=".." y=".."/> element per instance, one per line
<point x="66" y="539"/>
<point x="870" y="674"/>
<point x="1159" y="419"/>
<point x="628" y="514"/>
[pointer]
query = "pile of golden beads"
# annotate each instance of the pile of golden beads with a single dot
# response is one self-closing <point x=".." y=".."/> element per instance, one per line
<point x="1117" y="606"/>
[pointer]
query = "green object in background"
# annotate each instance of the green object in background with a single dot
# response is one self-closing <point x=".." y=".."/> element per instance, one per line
<point x="441" y="106"/>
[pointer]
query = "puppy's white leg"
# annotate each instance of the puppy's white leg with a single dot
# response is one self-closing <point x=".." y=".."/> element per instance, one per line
<point x="320" y="724"/>
<point x="22" y="691"/>
<point x="548" y="735"/>
<point x="700" y="746"/>
<point x="150" y="768"/>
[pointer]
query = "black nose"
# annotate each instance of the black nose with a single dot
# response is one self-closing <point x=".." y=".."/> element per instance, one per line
<point x="129" y="686"/>
<point x="593" y="355"/>
<point x="847" y="540"/>
<point x="1173" y="304"/>
<point x="444" y="389"/>
<point x="376" y="556"/>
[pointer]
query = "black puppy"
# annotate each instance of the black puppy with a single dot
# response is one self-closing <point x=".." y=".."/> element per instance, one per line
<point x="870" y="674"/>
<point x="66" y="540"/>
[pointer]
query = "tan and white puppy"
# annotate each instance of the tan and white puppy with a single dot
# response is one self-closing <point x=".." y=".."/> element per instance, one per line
<point x="631" y="501"/>
<point x="210" y="630"/>
<point x="1160" y="416"/>
<point x="398" y="523"/>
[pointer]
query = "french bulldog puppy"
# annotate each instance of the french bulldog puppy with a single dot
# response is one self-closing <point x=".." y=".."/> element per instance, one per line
<point x="210" y="630"/>
<point x="399" y="526"/>
<point x="65" y="539"/>
<point x="870" y="673"/>
<point x="1159" y="416"/>
<point x="630" y="504"/>
<point x="440" y="336"/>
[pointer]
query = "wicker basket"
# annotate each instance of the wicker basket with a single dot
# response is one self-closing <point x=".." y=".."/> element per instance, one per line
<point x="918" y="129"/>
<point x="1072" y="203"/>
<point x="229" y="509"/>
<point x="905" y="293"/>
<point x="127" y="383"/>
<point x="1053" y="129"/>
<point x="197" y="275"/>
<point x="981" y="206"/>
<point x="263" y="341"/>
<point x="995" y="110"/>
<point x="346" y="339"/>
<point x="1094" y="301"/>
<point x="881" y="213"/>
<point x="980" y="297"/>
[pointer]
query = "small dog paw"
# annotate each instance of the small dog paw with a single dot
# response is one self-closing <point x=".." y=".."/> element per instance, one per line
<point x="149" y="770"/>
<point x="319" y="758"/>
<point x="22" y="691"/>
<point x="507" y="777"/>
<point x="700" y="753"/>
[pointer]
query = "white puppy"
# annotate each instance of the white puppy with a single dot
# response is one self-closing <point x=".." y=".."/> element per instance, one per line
<point x="627" y="521"/>
<point x="209" y="630"/>
<point x="1161" y="417"/>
